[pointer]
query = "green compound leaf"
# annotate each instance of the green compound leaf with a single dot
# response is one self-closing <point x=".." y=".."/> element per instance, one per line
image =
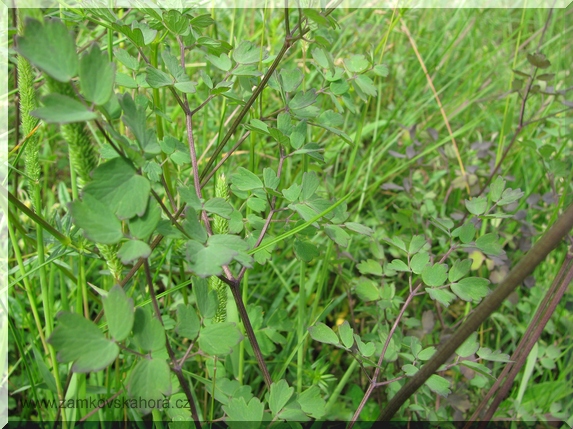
<point x="117" y="184"/>
<point x="398" y="265"/>
<point x="119" y="313"/>
<point x="126" y="59"/>
<point x="509" y="196"/>
<point x="303" y="99"/>
<point x="219" y="338"/>
<point x="409" y="370"/>
<point x="435" y="275"/>
<point x="80" y="341"/>
<point x="419" y="261"/>
<point x="322" y="333"/>
<point x="132" y="250"/>
<point x="157" y="78"/>
<point x="366" y="349"/>
<point x="193" y="227"/>
<point x="188" y="323"/>
<point x="305" y="251"/>
<point x="142" y="227"/>
<point x="496" y="188"/>
<point x="444" y="297"/>
<point x="359" y="228"/>
<point x="245" y="180"/>
<point x="221" y="250"/>
<point x="148" y="333"/>
<point x="222" y="62"/>
<point x="489" y="244"/>
<point x="219" y="206"/>
<point x="59" y="109"/>
<point x="257" y="204"/>
<point x="187" y="87"/>
<point x="459" y="269"/>
<point x="292" y="193"/>
<point x="381" y="70"/>
<point x="202" y="21"/>
<point x="175" y="22"/>
<point x="366" y="85"/>
<point x="241" y="415"/>
<point x="479" y="368"/>
<point x="147" y="32"/>
<point x="149" y="383"/>
<point x="133" y="34"/>
<point x="471" y="288"/>
<point x="439" y="385"/>
<point x="538" y="60"/>
<point x="322" y="57"/>
<point x="310" y="184"/>
<point x="416" y="244"/>
<point x="495" y="356"/>
<point x="368" y="290"/>
<point x="97" y="75"/>
<point x="290" y="79"/>
<point x="469" y="347"/>
<point x="279" y="396"/>
<point x="356" y="63"/>
<point x="270" y="178"/>
<point x="97" y="220"/>
<point x="370" y="266"/>
<point x="426" y="354"/>
<point x="38" y="45"/>
<point x="466" y="232"/>
<point x="311" y="403"/>
<point x="337" y="234"/>
<point x="205" y="297"/>
<point x="477" y="206"/>
<point x="247" y="53"/>
<point x="346" y="334"/>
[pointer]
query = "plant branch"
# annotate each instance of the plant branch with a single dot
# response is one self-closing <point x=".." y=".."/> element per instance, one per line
<point x="525" y="267"/>
<point x="176" y="367"/>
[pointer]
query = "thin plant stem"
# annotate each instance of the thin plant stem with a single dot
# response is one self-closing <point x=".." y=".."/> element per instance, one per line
<point x="176" y="366"/>
<point x="524" y="267"/>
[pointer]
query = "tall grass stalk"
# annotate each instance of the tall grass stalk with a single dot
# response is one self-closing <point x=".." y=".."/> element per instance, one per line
<point x="32" y="164"/>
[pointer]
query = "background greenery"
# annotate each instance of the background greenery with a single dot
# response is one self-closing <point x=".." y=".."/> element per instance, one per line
<point x="385" y="129"/>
